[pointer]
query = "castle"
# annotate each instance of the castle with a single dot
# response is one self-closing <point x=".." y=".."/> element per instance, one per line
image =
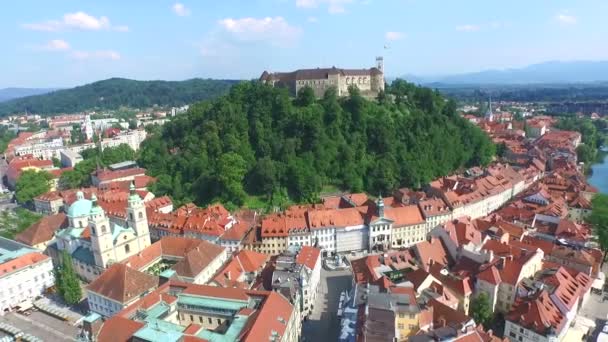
<point x="95" y="242"/>
<point x="369" y="81"/>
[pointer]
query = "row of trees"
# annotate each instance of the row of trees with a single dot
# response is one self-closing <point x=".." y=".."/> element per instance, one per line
<point x="259" y="141"/>
<point x="599" y="221"/>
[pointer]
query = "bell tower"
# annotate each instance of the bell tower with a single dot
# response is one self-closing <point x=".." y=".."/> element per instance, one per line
<point x="137" y="218"/>
<point x="101" y="234"/>
<point x="380" y="63"/>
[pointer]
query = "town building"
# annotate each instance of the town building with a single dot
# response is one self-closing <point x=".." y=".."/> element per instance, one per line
<point x="42" y="233"/>
<point x="25" y="274"/>
<point x="118" y="287"/>
<point x="243" y="270"/>
<point x="69" y="158"/>
<point x="369" y="81"/>
<point x="94" y="241"/>
<point x="187" y="260"/>
<point x="189" y="312"/>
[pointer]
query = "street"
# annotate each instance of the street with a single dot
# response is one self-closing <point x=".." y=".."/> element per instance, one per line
<point x="323" y="325"/>
<point x="42" y="326"/>
<point x="596" y="310"/>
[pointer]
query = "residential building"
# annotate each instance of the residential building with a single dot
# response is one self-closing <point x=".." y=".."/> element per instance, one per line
<point x="118" y="287"/>
<point x="242" y="270"/>
<point x="25" y="274"/>
<point x="42" y="233"/>
<point x="69" y="158"/>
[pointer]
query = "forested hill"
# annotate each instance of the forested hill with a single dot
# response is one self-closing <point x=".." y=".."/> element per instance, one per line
<point x="257" y="142"/>
<point x="116" y="92"/>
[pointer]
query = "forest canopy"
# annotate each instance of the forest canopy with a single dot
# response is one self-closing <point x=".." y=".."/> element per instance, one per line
<point x="118" y="92"/>
<point x="258" y="141"/>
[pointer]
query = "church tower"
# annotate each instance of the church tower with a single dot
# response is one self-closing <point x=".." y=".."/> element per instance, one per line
<point x="489" y="115"/>
<point x="137" y="218"/>
<point x="101" y="235"/>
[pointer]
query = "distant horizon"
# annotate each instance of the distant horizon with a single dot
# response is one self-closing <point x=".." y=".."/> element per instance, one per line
<point x="405" y="76"/>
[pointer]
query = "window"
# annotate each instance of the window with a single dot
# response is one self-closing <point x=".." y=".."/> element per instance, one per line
<point x="512" y="334"/>
<point x="127" y="248"/>
<point x="131" y="216"/>
<point x="219" y="321"/>
<point x="412" y="316"/>
<point x="141" y="215"/>
<point x="401" y="326"/>
<point x="210" y="321"/>
<point x="200" y="319"/>
<point x="191" y="318"/>
<point x="103" y="229"/>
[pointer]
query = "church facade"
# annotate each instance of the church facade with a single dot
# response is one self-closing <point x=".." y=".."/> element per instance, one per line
<point x="369" y="81"/>
<point x="95" y="242"/>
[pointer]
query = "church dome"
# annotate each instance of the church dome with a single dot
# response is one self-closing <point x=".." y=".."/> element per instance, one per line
<point x="82" y="206"/>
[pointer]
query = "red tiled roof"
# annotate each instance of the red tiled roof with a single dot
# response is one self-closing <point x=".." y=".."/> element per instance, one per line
<point x="404" y="216"/>
<point x="537" y="313"/>
<point x="431" y="252"/>
<point x="122" y="283"/>
<point x="308" y="256"/>
<point x="107" y="175"/>
<point x="118" y="329"/>
<point x="490" y="275"/>
<point x="21" y="262"/>
<point x="43" y="230"/>
<point x="213" y="291"/>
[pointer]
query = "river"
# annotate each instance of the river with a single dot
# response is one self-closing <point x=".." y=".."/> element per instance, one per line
<point x="599" y="177"/>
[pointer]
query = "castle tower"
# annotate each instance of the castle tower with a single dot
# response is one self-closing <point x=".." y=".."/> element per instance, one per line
<point x="137" y="218"/>
<point x="380" y="63"/>
<point x="101" y="235"/>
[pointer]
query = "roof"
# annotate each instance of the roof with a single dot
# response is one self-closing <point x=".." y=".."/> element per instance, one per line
<point x="197" y="259"/>
<point x="404" y="216"/>
<point x="273" y="316"/>
<point x="118" y="329"/>
<point x="43" y="230"/>
<point x="122" y="283"/>
<point x="21" y="262"/>
<point x="82" y="206"/>
<point x="538" y="313"/>
<point x="107" y="175"/>
<point x="431" y="251"/>
<point x="490" y="275"/>
<point x="308" y="256"/>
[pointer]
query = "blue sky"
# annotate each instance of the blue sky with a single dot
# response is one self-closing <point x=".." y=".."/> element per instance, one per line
<point x="68" y="42"/>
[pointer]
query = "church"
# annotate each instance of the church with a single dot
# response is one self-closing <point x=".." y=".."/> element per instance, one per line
<point x="95" y="242"/>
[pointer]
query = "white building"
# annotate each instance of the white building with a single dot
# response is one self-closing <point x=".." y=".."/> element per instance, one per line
<point x="132" y="138"/>
<point x="25" y="273"/>
<point x="69" y="158"/>
<point x="42" y="149"/>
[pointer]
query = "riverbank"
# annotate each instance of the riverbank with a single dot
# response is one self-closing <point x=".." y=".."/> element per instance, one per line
<point x="599" y="174"/>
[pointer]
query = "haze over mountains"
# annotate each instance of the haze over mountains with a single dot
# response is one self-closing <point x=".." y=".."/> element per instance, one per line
<point x="15" y="93"/>
<point x="547" y="72"/>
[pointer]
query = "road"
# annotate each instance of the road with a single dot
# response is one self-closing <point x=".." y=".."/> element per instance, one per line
<point x="323" y="324"/>
<point x="42" y="326"/>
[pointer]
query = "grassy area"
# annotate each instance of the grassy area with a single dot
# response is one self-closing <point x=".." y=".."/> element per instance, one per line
<point x="329" y="190"/>
<point x="256" y="202"/>
<point x="14" y="222"/>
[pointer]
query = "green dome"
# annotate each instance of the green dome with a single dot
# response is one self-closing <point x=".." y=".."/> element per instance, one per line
<point x="82" y="206"/>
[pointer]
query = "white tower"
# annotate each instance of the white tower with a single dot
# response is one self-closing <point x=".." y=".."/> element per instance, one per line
<point x="137" y="218"/>
<point x="489" y="114"/>
<point x="88" y="128"/>
<point x="101" y="235"/>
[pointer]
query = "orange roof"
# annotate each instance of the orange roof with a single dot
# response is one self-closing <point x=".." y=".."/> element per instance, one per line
<point x="537" y="313"/>
<point x="122" y="283"/>
<point x="43" y="230"/>
<point x="404" y="216"/>
<point x="118" y="329"/>
<point x="490" y="275"/>
<point x="107" y="175"/>
<point x="21" y="262"/>
<point x="431" y="251"/>
<point x="214" y="291"/>
<point x="308" y="256"/>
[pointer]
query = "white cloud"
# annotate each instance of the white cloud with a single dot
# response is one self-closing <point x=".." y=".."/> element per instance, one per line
<point x="100" y="54"/>
<point x="333" y="6"/>
<point x="76" y="21"/>
<point x="468" y="28"/>
<point x="56" y="45"/>
<point x="393" y="35"/>
<point x="312" y="19"/>
<point x="180" y="9"/>
<point x="566" y="18"/>
<point x="276" y="31"/>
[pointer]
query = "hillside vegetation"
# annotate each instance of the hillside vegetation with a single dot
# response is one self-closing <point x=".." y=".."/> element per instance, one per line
<point x="118" y="92"/>
<point x="257" y="142"/>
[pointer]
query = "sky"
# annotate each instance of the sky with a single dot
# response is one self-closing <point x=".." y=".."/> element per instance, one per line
<point x="64" y="43"/>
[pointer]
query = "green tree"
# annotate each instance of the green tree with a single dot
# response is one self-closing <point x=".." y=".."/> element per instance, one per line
<point x="585" y="153"/>
<point x="305" y="97"/>
<point x="231" y="169"/>
<point x="32" y="183"/>
<point x="481" y="310"/>
<point x="599" y="221"/>
<point x="66" y="280"/>
<point x="56" y="162"/>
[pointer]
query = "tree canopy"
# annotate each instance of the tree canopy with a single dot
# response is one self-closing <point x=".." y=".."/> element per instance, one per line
<point x="599" y="220"/>
<point x="258" y="141"/>
<point x="66" y="280"/>
<point x="32" y="183"/>
<point x="480" y="309"/>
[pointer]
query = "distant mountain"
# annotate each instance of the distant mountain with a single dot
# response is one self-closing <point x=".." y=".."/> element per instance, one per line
<point x="117" y="92"/>
<point x="15" y="93"/>
<point x="547" y="73"/>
